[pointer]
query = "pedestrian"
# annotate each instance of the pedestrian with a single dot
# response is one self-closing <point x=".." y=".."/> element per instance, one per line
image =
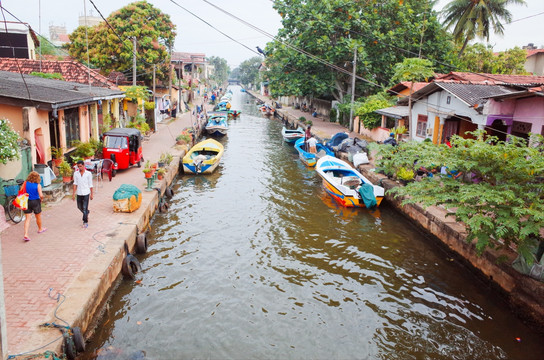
<point x="307" y="136"/>
<point x="83" y="187"/>
<point x="35" y="196"/>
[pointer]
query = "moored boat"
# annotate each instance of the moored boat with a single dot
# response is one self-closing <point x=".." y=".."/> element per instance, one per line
<point x="217" y="125"/>
<point x="203" y="158"/>
<point x="347" y="186"/>
<point x="292" y="135"/>
<point x="310" y="158"/>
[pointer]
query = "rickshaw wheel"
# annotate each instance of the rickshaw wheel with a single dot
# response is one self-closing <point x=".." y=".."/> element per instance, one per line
<point x="113" y="172"/>
<point x="139" y="164"/>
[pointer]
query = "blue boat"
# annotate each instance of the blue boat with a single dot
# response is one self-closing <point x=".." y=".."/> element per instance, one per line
<point x="310" y="158"/>
<point x="217" y="125"/>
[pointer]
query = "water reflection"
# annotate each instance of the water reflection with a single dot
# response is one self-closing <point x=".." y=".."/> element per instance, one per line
<point x="254" y="261"/>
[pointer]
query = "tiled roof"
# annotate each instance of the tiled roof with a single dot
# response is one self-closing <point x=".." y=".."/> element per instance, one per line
<point x="473" y="93"/>
<point x="493" y="79"/>
<point x="71" y="71"/>
<point x="406" y="85"/>
<point x="49" y="93"/>
<point x="534" y="52"/>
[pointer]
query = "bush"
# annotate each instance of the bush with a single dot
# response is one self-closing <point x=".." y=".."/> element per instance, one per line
<point x="333" y="115"/>
<point x="9" y="148"/>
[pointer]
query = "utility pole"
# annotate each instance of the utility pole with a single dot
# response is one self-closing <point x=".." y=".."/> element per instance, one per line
<point x="170" y="77"/>
<point x="352" y="89"/>
<point x="134" y="60"/>
<point x="154" y="107"/>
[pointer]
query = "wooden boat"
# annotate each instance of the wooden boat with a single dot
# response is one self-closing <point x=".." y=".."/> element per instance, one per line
<point x="217" y="125"/>
<point x="267" y="110"/>
<point x="203" y="158"/>
<point x="292" y="135"/>
<point x="347" y="186"/>
<point x="309" y="158"/>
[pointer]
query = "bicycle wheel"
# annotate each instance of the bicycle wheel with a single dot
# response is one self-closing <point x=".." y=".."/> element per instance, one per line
<point x="15" y="214"/>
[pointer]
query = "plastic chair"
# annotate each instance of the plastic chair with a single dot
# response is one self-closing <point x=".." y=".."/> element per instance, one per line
<point x="107" y="167"/>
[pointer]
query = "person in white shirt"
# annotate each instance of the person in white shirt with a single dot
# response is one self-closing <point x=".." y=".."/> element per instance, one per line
<point x="312" y="145"/>
<point x="83" y="187"/>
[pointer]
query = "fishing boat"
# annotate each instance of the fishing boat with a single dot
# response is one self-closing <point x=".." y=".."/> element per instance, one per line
<point x="267" y="110"/>
<point x="217" y="125"/>
<point x="292" y="135"/>
<point x="347" y="186"/>
<point x="310" y="158"/>
<point x="203" y="158"/>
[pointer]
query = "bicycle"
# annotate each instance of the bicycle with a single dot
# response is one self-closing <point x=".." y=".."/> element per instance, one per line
<point x="10" y="192"/>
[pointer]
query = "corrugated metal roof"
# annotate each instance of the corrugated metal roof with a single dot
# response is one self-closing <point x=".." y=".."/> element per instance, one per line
<point x="397" y="112"/>
<point x="49" y="92"/>
<point x="472" y="94"/>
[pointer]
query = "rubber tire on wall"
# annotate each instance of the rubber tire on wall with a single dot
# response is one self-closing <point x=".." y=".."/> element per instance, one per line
<point x="163" y="208"/>
<point x="79" y="342"/>
<point x="69" y="347"/>
<point x="169" y="192"/>
<point x="131" y="266"/>
<point x="141" y="243"/>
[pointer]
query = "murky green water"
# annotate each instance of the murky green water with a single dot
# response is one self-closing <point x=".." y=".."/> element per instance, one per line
<point x="255" y="262"/>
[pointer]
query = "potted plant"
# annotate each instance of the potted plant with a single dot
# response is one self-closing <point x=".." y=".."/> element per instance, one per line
<point x="57" y="155"/>
<point x="183" y="139"/>
<point x="66" y="171"/>
<point x="160" y="173"/>
<point x="148" y="172"/>
<point x="85" y="150"/>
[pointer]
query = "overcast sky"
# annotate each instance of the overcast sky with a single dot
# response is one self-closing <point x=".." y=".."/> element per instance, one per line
<point x="196" y="36"/>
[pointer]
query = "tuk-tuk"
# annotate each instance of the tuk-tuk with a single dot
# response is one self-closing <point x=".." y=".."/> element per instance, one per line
<point x="124" y="147"/>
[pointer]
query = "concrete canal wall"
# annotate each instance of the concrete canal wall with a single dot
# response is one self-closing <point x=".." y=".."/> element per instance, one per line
<point x="524" y="294"/>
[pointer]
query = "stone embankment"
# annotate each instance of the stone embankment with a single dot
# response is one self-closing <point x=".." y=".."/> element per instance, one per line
<point x="524" y="294"/>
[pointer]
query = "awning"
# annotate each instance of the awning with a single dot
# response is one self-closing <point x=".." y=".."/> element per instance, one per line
<point x="397" y="112"/>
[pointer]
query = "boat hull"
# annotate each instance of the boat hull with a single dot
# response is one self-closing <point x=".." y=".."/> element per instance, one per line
<point x="310" y="159"/>
<point x="203" y="158"/>
<point x="291" y="136"/>
<point x="343" y="183"/>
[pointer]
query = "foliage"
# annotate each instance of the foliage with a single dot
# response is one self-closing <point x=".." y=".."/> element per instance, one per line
<point x="248" y="71"/>
<point x="106" y="123"/>
<point x="405" y="174"/>
<point x="139" y="122"/>
<point x="56" y="153"/>
<point x="474" y="19"/>
<point x="383" y="33"/>
<point x="154" y="33"/>
<point x="47" y="48"/>
<point x="149" y="105"/>
<point x="9" y="148"/>
<point x="56" y="76"/>
<point x="412" y="69"/>
<point x="481" y="59"/>
<point x="365" y="110"/>
<point x="221" y="69"/>
<point x="161" y="171"/>
<point x="185" y="138"/>
<point x="302" y="118"/>
<point x="500" y="196"/>
<point x="332" y="115"/>
<point x="137" y="92"/>
<point x="83" y="149"/>
<point x="65" y="170"/>
<point x="166" y="158"/>
<point x="309" y="122"/>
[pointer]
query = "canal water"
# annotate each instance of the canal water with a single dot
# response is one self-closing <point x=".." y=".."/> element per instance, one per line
<point x="255" y="262"/>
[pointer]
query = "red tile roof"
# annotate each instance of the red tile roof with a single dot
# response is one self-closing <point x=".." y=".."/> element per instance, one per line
<point x="534" y="52"/>
<point x="71" y="71"/>
<point x="491" y="79"/>
<point x="188" y="57"/>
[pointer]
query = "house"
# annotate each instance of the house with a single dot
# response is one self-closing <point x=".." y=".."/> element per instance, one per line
<point x="47" y="112"/>
<point x="17" y="40"/>
<point x="71" y="71"/>
<point x="456" y="103"/>
<point x="534" y="62"/>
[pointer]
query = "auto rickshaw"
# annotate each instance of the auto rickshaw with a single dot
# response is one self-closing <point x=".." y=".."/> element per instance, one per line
<point x="124" y="147"/>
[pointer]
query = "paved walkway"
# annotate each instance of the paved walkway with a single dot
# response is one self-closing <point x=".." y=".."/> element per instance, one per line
<point x="35" y="272"/>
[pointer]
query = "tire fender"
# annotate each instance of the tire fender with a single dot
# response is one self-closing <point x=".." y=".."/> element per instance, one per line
<point x="69" y="347"/>
<point x="131" y="266"/>
<point x="141" y="243"/>
<point x="169" y="192"/>
<point x="163" y="208"/>
<point x="79" y="342"/>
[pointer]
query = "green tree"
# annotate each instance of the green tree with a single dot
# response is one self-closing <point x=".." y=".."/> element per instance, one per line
<point x="412" y="69"/>
<point x="472" y="19"/>
<point x="501" y="197"/>
<point x="47" y="48"/>
<point x="383" y="32"/>
<point x="481" y="59"/>
<point x="366" y="109"/>
<point x="154" y="34"/>
<point x="249" y="70"/>
<point x="221" y="69"/>
<point x="9" y="148"/>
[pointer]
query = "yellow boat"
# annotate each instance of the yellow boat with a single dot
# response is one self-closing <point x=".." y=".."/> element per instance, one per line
<point x="203" y="158"/>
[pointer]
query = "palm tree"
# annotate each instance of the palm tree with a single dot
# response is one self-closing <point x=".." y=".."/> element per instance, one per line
<point x="412" y="69"/>
<point x="474" y="18"/>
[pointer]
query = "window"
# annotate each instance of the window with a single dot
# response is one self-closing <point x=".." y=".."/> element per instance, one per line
<point x="421" y="130"/>
<point x="71" y="125"/>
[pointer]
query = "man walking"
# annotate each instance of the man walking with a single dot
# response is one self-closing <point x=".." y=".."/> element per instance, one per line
<point x="83" y="187"/>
